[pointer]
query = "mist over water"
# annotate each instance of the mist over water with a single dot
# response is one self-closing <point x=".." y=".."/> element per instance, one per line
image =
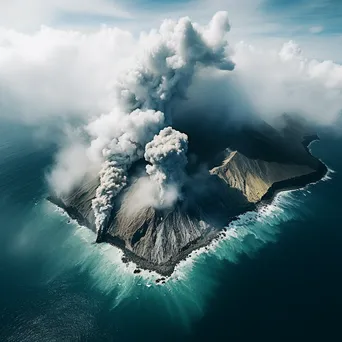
<point x="57" y="285"/>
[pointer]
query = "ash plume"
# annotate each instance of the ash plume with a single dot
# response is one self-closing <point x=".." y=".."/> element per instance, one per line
<point x="112" y="180"/>
<point x="129" y="138"/>
<point x="163" y="70"/>
<point x="68" y="78"/>
<point x="167" y="155"/>
<point x="168" y="58"/>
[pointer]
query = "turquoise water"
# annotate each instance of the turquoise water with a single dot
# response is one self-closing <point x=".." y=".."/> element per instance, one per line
<point x="275" y="274"/>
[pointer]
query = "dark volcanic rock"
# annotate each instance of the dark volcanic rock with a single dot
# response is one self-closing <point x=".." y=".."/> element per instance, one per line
<point x="264" y="162"/>
<point x="159" y="239"/>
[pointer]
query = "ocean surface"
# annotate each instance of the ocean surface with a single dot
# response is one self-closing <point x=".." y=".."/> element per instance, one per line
<point x="277" y="276"/>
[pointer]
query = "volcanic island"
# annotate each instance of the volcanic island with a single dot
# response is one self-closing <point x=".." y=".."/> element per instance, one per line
<point x="246" y="168"/>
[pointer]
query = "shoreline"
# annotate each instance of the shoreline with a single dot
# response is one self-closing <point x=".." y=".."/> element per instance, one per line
<point x="72" y="212"/>
<point x="166" y="270"/>
<point x="297" y="182"/>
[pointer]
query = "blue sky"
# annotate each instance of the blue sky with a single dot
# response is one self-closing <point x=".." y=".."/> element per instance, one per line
<point x="326" y="14"/>
<point x="268" y="22"/>
<point x="297" y="15"/>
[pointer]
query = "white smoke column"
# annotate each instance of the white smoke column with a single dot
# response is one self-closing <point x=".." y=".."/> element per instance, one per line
<point x="132" y="133"/>
<point x="164" y="67"/>
<point x="112" y="180"/>
<point x="166" y="62"/>
<point x="167" y="155"/>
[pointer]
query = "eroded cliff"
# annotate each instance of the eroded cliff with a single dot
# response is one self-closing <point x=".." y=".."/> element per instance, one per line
<point x="254" y="177"/>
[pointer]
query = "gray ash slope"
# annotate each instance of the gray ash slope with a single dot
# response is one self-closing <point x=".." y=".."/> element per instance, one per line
<point x="260" y="161"/>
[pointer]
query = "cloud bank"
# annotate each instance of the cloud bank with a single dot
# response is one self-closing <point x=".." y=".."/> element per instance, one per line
<point x="285" y="81"/>
<point x="120" y="91"/>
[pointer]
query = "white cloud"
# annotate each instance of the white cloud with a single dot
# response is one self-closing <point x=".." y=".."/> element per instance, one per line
<point x="286" y="81"/>
<point x="67" y="73"/>
<point x="23" y="14"/>
<point x="64" y="177"/>
<point x="316" y="29"/>
<point x="60" y="73"/>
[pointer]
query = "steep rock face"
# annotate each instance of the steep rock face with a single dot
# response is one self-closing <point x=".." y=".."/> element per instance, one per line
<point x="78" y="203"/>
<point x="159" y="238"/>
<point x="254" y="177"/>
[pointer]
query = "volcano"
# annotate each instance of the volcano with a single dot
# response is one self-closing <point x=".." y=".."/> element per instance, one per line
<point x="258" y="162"/>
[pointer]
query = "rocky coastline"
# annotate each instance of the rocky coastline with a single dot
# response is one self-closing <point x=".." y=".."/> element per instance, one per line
<point x="167" y="268"/>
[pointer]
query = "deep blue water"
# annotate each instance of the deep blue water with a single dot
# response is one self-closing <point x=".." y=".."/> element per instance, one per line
<point x="278" y="277"/>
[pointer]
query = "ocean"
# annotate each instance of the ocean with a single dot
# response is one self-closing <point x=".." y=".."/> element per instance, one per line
<point x="277" y="276"/>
